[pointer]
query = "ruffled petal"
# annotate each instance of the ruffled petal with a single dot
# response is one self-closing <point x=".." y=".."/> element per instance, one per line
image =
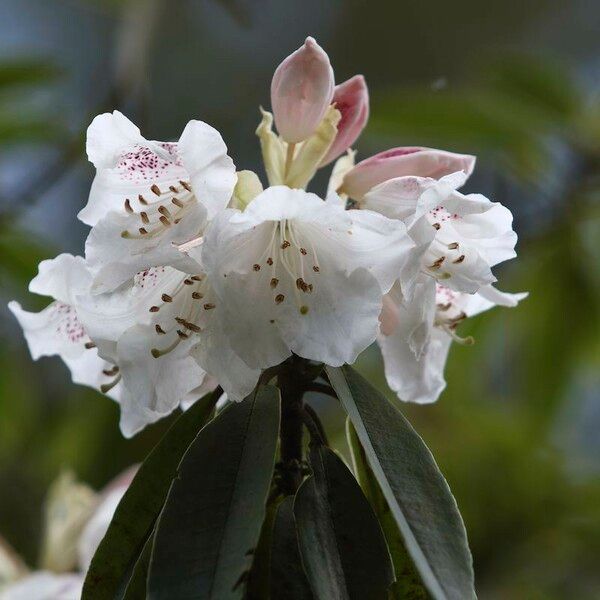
<point x="212" y="172"/>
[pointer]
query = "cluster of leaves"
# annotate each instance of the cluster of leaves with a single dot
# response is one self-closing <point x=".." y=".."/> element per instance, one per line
<point x="207" y="515"/>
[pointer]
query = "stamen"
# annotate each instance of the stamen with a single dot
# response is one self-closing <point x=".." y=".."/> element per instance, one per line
<point x="316" y="269"/>
<point x="188" y="282"/>
<point x="285" y="245"/>
<point x="436" y="226"/>
<point x="303" y="309"/>
<point x="279" y="298"/>
<point x="165" y="221"/>
<point x="159" y="329"/>
<point x="197" y="277"/>
<point x="142" y="200"/>
<point x="186" y="186"/>
<point x="437" y="263"/>
<point x="106" y="387"/>
<point x="197" y="295"/>
<point x="89" y="345"/>
<point x="459" y="259"/>
<point x="209" y="306"/>
<point x="166" y="298"/>
<point x="444" y="307"/>
<point x="256" y="267"/>
<point x="270" y="261"/>
<point x="163" y="210"/>
<point x="111" y="372"/>
<point x="182" y="335"/>
<point x="128" y="206"/>
<point x="154" y="309"/>
<point x="144" y="217"/>
<point x="156" y="190"/>
<point x="177" y="202"/>
<point x="143" y="230"/>
<point x="274" y="282"/>
<point x="303" y="251"/>
<point x="453" y="246"/>
<point x="173" y="189"/>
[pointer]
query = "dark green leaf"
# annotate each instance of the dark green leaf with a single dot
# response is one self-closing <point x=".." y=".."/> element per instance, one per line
<point x="138" y="510"/>
<point x="343" y="549"/>
<point x="416" y="491"/>
<point x="288" y="579"/>
<point x="408" y="584"/>
<point x="212" y="518"/>
<point x="136" y="588"/>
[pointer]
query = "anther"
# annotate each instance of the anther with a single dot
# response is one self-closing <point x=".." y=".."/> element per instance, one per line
<point x="453" y="246"/>
<point x="180" y="320"/>
<point x="177" y="220"/>
<point x="188" y="282"/>
<point x="111" y="372"/>
<point x="285" y="245"/>
<point x="173" y="189"/>
<point x="177" y="202"/>
<point x="159" y="329"/>
<point x="193" y="327"/>
<point x="166" y="298"/>
<point x="106" y="387"/>
<point x="165" y="221"/>
<point x="436" y="226"/>
<point x="209" y="306"/>
<point x="274" y="282"/>
<point x="256" y="267"/>
<point x="303" y="251"/>
<point x="144" y="217"/>
<point x="89" y="345"/>
<point x="154" y="309"/>
<point x="197" y="296"/>
<point x="143" y="230"/>
<point x="437" y="263"/>
<point x="270" y="261"/>
<point x="459" y="259"/>
<point x="163" y="210"/>
<point x="182" y="335"/>
<point x="128" y="206"/>
<point x="316" y="269"/>
<point x="197" y="277"/>
<point x="303" y="309"/>
<point x="155" y="189"/>
<point x="125" y="234"/>
<point x="279" y="298"/>
<point x="186" y="186"/>
<point x="444" y="307"/>
<point x="155" y="352"/>
<point x="142" y="200"/>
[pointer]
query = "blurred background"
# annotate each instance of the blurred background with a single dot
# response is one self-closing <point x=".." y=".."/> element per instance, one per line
<point x="517" y="83"/>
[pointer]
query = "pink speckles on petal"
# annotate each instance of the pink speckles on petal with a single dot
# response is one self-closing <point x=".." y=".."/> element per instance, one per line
<point x="68" y="324"/>
<point x="439" y="215"/>
<point x="142" y="165"/>
<point x="149" y="278"/>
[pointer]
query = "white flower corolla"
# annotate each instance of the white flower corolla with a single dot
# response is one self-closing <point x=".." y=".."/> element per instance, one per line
<point x="58" y="330"/>
<point x="45" y="585"/>
<point x="418" y="376"/>
<point x="148" y="197"/>
<point x="294" y="273"/>
<point x="460" y="237"/>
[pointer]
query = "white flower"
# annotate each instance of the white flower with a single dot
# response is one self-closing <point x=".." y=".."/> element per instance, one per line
<point x="415" y="337"/>
<point x="45" y="585"/>
<point x="148" y="196"/>
<point x="296" y="274"/>
<point x="57" y="330"/>
<point x="460" y="237"/>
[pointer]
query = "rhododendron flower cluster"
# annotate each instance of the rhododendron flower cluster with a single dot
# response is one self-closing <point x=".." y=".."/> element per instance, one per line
<point x="195" y="274"/>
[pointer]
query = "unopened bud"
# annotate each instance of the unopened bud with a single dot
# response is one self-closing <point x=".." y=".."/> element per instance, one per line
<point x="351" y="98"/>
<point x="301" y="92"/>
<point x="401" y="162"/>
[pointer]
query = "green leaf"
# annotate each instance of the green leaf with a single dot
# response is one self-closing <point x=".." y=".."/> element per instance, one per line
<point x="288" y="579"/>
<point x="25" y="71"/>
<point x="408" y="584"/>
<point x="416" y="491"/>
<point x="342" y="547"/>
<point x="140" y="506"/>
<point x="136" y="588"/>
<point x="212" y="518"/>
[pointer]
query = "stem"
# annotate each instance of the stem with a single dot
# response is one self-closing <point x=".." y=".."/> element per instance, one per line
<point x="290" y="433"/>
<point x="289" y="158"/>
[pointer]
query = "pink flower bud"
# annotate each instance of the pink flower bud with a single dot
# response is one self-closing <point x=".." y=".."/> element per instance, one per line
<point x="351" y="98"/>
<point x="301" y="92"/>
<point x="399" y="162"/>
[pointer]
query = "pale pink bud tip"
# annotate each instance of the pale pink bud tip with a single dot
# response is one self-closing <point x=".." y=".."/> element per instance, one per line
<point x="301" y="92"/>
<point x="401" y="162"/>
<point x="351" y="98"/>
